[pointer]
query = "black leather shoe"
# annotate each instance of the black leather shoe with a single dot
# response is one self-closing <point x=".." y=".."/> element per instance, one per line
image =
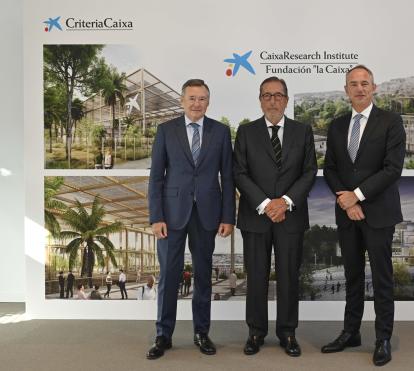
<point x="205" y="344"/>
<point x="343" y="341"/>
<point x="157" y="350"/>
<point x="253" y="345"/>
<point x="291" y="346"/>
<point x="382" y="353"/>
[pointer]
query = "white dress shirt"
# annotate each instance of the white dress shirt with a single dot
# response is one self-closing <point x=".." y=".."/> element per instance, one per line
<point x="363" y="123"/>
<point x="190" y="129"/>
<point x="122" y="277"/>
<point x="147" y="293"/>
<point x="82" y="295"/>
<point x="260" y="209"/>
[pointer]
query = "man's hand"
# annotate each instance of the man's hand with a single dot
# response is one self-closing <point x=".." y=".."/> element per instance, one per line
<point x="279" y="219"/>
<point x="225" y="229"/>
<point x="355" y="212"/>
<point x="346" y="199"/>
<point x="276" y="210"/>
<point x="159" y="229"/>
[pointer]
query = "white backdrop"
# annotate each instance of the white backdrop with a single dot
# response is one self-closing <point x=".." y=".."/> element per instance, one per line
<point x="177" y="40"/>
<point x="12" y="268"/>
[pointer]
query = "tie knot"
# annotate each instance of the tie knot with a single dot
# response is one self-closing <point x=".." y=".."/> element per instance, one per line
<point x="358" y="117"/>
<point x="275" y="128"/>
<point x="194" y="125"/>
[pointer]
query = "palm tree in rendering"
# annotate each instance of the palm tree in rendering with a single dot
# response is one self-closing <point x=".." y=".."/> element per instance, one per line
<point x="51" y="188"/>
<point x="89" y="234"/>
<point x="113" y="89"/>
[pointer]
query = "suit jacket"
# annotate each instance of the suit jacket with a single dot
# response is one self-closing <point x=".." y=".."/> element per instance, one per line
<point x="70" y="279"/>
<point x="257" y="176"/>
<point x="377" y="167"/>
<point x="175" y="181"/>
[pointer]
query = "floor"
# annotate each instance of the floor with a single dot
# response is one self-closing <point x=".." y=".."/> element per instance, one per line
<point x="61" y="345"/>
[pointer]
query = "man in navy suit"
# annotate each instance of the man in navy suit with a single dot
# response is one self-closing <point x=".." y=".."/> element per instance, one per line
<point x="191" y="193"/>
<point x="363" y="162"/>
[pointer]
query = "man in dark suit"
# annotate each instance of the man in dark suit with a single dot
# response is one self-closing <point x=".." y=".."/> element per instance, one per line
<point x="191" y="193"/>
<point x="61" y="285"/>
<point x="69" y="284"/>
<point x="274" y="169"/>
<point x="363" y="162"/>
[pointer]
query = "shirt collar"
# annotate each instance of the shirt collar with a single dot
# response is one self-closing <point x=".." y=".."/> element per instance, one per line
<point x="188" y="121"/>
<point x="366" y="112"/>
<point x="281" y="123"/>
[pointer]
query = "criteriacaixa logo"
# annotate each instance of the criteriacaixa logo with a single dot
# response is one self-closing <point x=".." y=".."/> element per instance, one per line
<point x="239" y="61"/>
<point x="52" y="23"/>
<point x="81" y="24"/>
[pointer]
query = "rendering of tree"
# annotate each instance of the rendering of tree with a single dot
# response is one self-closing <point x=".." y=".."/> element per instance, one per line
<point x="319" y="114"/>
<point x="113" y="89"/>
<point x="402" y="280"/>
<point x="224" y="120"/>
<point x="320" y="241"/>
<point x="77" y="113"/>
<point x="52" y="186"/>
<point x="244" y="121"/>
<point x="128" y="121"/>
<point x="89" y="234"/>
<point x="71" y="66"/>
<point x="54" y="109"/>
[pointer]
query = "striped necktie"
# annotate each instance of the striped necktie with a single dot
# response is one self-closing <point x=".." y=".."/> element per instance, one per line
<point x="277" y="146"/>
<point x="354" y="139"/>
<point x="195" y="145"/>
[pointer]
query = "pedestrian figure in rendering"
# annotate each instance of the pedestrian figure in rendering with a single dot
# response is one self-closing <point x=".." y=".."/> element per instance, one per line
<point x="108" y="281"/>
<point x="122" y="284"/>
<point x="70" y="281"/>
<point x="187" y="282"/>
<point x="148" y="292"/>
<point x="95" y="293"/>
<point x="81" y="292"/>
<point x="61" y="280"/>
<point x="233" y="283"/>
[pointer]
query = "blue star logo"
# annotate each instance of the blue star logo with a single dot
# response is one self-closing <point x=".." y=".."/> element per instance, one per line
<point x="239" y="61"/>
<point x="52" y="22"/>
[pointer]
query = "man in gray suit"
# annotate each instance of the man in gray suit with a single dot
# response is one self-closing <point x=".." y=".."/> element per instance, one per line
<point x="274" y="168"/>
<point x="191" y="193"/>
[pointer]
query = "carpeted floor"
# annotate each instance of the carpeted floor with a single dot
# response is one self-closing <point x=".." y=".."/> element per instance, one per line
<point x="60" y="345"/>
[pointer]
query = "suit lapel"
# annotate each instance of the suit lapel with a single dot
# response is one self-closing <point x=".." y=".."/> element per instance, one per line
<point x="369" y="129"/>
<point x="265" y="139"/>
<point x="343" y="137"/>
<point x="207" y="135"/>
<point x="181" y="132"/>
<point x="288" y="135"/>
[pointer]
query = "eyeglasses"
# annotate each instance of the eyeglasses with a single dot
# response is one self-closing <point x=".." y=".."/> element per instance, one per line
<point x="278" y="96"/>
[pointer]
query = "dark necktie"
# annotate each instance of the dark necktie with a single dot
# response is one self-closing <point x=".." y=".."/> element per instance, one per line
<point x="277" y="146"/>
<point x="195" y="144"/>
